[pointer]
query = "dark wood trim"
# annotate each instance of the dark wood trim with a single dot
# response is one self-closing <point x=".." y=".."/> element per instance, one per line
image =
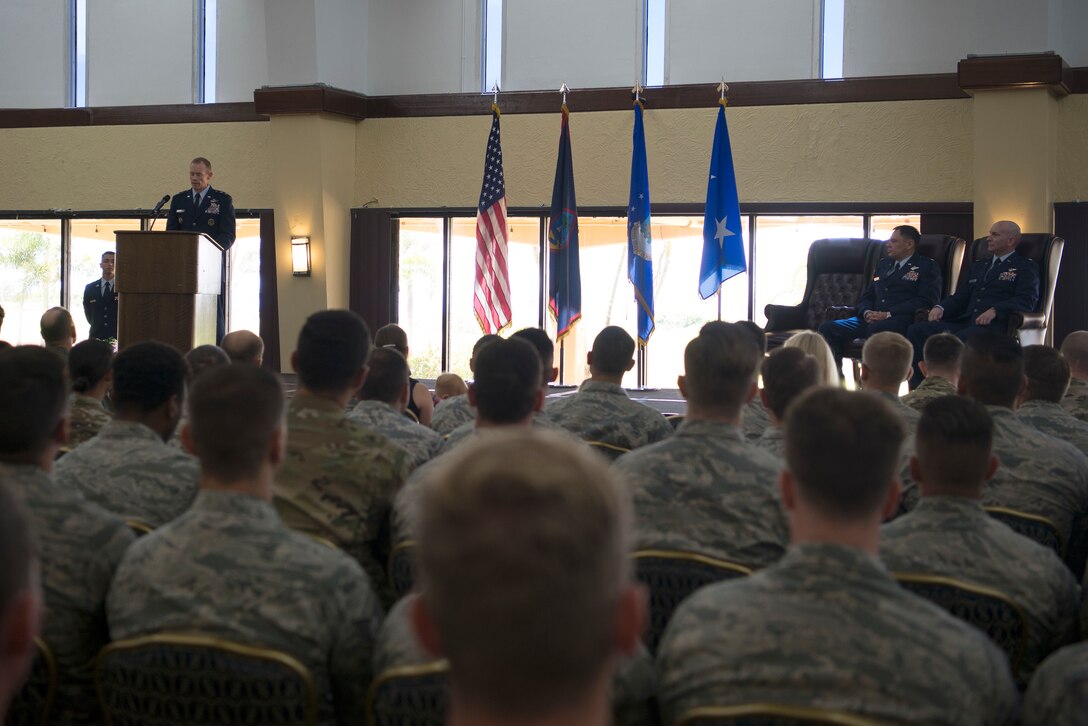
<point x="1077" y="80"/>
<point x="1014" y="71"/>
<point x="958" y="224"/>
<point x="370" y="286"/>
<point x="317" y="98"/>
<point x="1071" y="293"/>
<point x="270" y="301"/>
<point x="128" y="115"/>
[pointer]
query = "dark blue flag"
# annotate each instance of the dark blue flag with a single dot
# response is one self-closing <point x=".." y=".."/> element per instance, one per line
<point x="723" y="238"/>
<point x="565" y="279"/>
<point x="640" y="267"/>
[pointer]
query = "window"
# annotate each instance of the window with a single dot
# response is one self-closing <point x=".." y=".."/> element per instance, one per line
<point x="881" y="225"/>
<point x="30" y="264"/>
<point x="831" y="42"/>
<point x="89" y="239"/>
<point x="244" y="290"/>
<point x="77" y="53"/>
<point x="420" y="297"/>
<point x="653" y="60"/>
<point x="491" y="73"/>
<point x="209" y="31"/>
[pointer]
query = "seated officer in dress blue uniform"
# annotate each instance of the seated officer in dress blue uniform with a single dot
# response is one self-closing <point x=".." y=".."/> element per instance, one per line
<point x="207" y="210"/>
<point x="100" y="301"/>
<point x="996" y="286"/>
<point x="903" y="282"/>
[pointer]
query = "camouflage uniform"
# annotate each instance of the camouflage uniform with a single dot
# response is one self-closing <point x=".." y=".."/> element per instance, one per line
<point x="1076" y="399"/>
<point x="338" y="482"/>
<point x="601" y="411"/>
<point x="773" y="441"/>
<point x="705" y="489"/>
<point x="128" y="469"/>
<point x="451" y="413"/>
<point x="79" y="546"/>
<point x="541" y="422"/>
<point x="421" y="443"/>
<point x="1058" y="693"/>
<point x="757" y="418"/>
<point x="930" y="388"/>
<point x="87" y="417"/>
<point x="229" y="568"/>
<point x="1038" y="474"/>
<point x="828" y="627"/>
<point x="633" y="686"/>
<point x="1053" y="420"/>
<point x="909" y="415"/>
<point x="955" y="537"/>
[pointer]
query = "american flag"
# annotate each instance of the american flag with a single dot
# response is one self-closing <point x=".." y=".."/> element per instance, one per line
<point x="491" y="293"/>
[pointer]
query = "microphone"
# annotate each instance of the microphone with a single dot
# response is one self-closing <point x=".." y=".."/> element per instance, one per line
<point x="155" y="211"/>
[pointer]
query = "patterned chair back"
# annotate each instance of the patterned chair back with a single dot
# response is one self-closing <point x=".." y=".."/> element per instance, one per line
<point x="166" y="679"/>
<point x="611" y="451"/>
<point x="671" y="576"/>
<point x="769" y="714"/>
<point x="34" y="702"/>
<point x="1032" y="526"/>
<point x="402" y="568"/>
<point x="988" y="610"/>
<point x="410" y="696"/>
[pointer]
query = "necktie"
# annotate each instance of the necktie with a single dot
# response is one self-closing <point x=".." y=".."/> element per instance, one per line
<point x="106" y="289"/>
<point x="196" y="198"/>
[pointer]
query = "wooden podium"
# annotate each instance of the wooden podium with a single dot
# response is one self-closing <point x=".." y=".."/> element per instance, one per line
<point x="167" y="283"/>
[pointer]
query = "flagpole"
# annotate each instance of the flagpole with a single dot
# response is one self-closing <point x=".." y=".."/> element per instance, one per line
<point x="719" y="303"/>
<point x="722" y="88"/>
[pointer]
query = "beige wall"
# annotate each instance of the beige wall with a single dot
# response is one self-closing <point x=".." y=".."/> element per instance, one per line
<point x="127" y="167"/>
<point x="889" y="152"/>
<point x="1072" y="184"/>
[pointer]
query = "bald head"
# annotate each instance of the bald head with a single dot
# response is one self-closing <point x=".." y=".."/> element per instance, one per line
<point x="57" y="328"/>
<point x="243" y="346"/>
<point x="1075" y="352"/>
<point x="1003" y="238"/>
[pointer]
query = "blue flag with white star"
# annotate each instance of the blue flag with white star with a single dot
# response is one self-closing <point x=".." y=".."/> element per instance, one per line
<point x="640" y="267"/>
<point x="723" y="238"/>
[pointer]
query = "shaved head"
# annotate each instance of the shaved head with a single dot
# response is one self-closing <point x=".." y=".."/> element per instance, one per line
<point x="1075" y="352"/>
<point x="243" y="346"/>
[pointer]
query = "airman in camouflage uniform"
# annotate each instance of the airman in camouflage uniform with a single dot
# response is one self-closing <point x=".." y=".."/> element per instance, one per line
<point x="600" y="409"/>
<point x="78" y="544"/>
<point x="827" y="626"/>
<point x="773" y="441"/>
<point x="930" y="388"/>
<point x="705" y="489"/>
<point x="541" y="421"/>
<point x="1048" y="376"/>
<point x="128" y="469"/>
<point x="229" y="568"/>
<point x="955" y="537"/>
<point x="1075" y="353"/>
<point x="87" y="416"/>
<point x="757" y="418"/>
<point x="451" y="413"/>
<point x="940" y="363"/>
<point x="633" y="686"/>
<point x="1057" y="691"/>
<point x="1054" y="420"/>
<point x="885" y="364"/>
<point x="420" y="442"/>
<point x="787" y="373"/>
<point x="338" y="481"/>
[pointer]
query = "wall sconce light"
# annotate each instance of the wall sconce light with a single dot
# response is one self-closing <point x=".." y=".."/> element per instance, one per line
<point x="300" y="256"/>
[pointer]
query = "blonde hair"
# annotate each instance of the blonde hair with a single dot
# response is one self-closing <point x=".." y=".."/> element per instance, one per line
<point x="887" y="355"/>
<point x="814" y="344"/>
<point x="524" y="552"/>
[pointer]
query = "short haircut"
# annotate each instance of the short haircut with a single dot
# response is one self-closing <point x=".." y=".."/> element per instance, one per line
<point x="108" y="253"/>
<point x="201" y="160"/>
<point x="888" y="356"/>
<point x="88" y="363"/>
<point x="507" y="381"/>
<point x="992" y="369"/>
<point x="386" y="377"/>
<point x="787" y="372"/>
<point x="33" y="397"/>
<point x="146" y="375"/>
<point x="539" y="339"/>
<point x="522" y="564"/>
<point x="1047" y="372"/>
<point x="203" y="357"/>
<point x="333" y="346"/>
<point x="814" y="344"/>
<point x="911" y="233"/>
<point x="843" y="449"/>
<point x="243" y="346"/>
<point x="719" y="367"/>
<point x="481" y="342"/>
<point x="613" y="349"/>
<point x="942" y="351"/>
<point x="758" y="334"/>
<point x="56" y="326"/>
<point x="18" y="548"/>
<point x="1075" y="350"/>
<point x="234" y="411"/>
<point x="953" y="443"/>
<point x="392" y="336"/>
